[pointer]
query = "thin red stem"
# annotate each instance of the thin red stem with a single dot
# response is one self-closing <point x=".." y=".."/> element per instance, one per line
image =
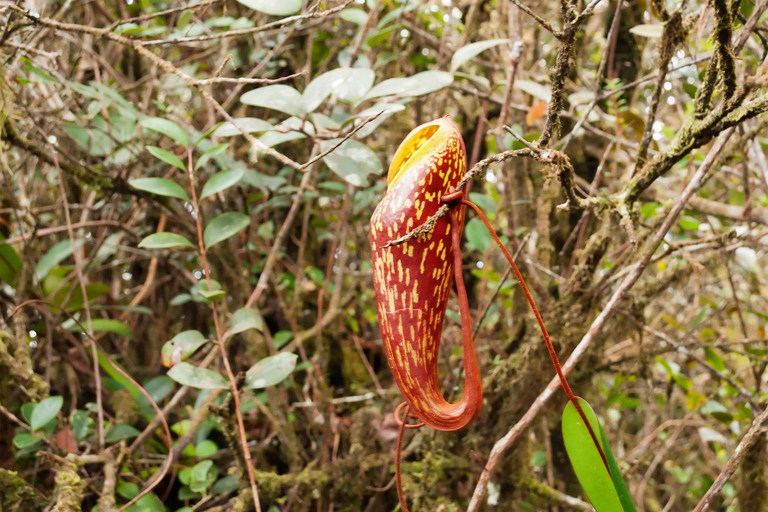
<point x="544" y="333"/>
<point x="398" y="450"/>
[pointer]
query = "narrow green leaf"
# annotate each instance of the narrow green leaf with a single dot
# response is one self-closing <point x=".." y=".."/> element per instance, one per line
<point x="270" y="370"/>
<point x="167" y="157"/>
<point x="586" y="461"/>
<point x="248" y="124"/>
<point x="221" y="181"/>
<point x="164" y="241"/>
<point x="106" y="324"/>
<point x="618" y="480"/>
<point x="224" y="226"/>
<point x="166" y="127"/>
<point x="200" y="378"/>
<point x="54" y="256"/>
<point x="160" y="186"/>
<point x="45" y="411"/>
<point x="120" y="432"/>
<point x="466" y="53"/>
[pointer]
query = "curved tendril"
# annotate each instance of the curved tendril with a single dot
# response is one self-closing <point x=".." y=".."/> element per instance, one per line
<point x="552" y="354"/>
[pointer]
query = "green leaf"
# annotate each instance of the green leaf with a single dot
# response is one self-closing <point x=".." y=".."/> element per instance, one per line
<point x="226" y="485"/>
<point x="105" y="324"/>
<point x="164" y="241"/>
<point x="249" y="124"/>
<point x="690" y="89"/>
<point x="586" y="460"/>
<point x="535" y="89"/>
<point x="277" y="97"/>
<point x="274" y="7"/>
<point x="246" y="318"/>
<point x="618" y="481"/>
<point x="429" y="81"/>
<point x="485" y="202"/>
<point x="147" y="503"/>
<point x="478" y="235"/>
<point x="205" y="448"/>
<point x="10" y="263"/>
<point x="693" y="399"/>
<point x="714" y="359"/>
<point x="465" y="53"/>
<point x="356" y="16"/>
<point x="25" y="440"/>
<point x="181" y="347"/>
<point x="203" y="475"/>
<point x="80" y="421"/>
<point x="221" y="181"/>
<point x="224" y="226"/>
<point x="166" y="127"/>
<point x="416" y="85"/>
<point x="160" y="186"/>
<point x="347" y="84"/>
<point x="200" y="378"/>
<point x="120" y="432"/>
<point x="45" y="411"/>
<point x="270" y="370"/>
<point x="54" y="256"/>
<point x="210" y="295"/>
<point x="352" y="160"/>
<point x="167" y="157"/>
<point x="127" y="490"/>
<point x="689" y="223"/>
<point x="282" y="337"/>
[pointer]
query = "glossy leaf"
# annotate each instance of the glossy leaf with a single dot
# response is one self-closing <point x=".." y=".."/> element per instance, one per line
<point x="356" y="16"/>
<point x="164" y="241"/>
<point x="166" y="157"/>
<point x="352" y="160"/>
<point x="274" y="7"/>
<point x="54" y="256"/>
<point x="10" y="263"/>
<point x="586" y="461"/>
<point x="181" y="347"/>
<point x="210" y="295"/>
<point x="466" y="53"/>
<point x="246" y="318"/>
<point x="160" y="186"/>
<point x="166" y="127"/>
<point x="224" y="226"/>
<point x="26" y="440"/>
<point x="221" y="181"/>
<point x="478" y="235"/>
<point x="120" y="432"/>
<point x="270" y="370"/>
<point x="45" y="411"/>
<point x="276" y="97"/>
<point x="200" y="378"/>
<point x="347" y="84"/>
<point x="105" y="324"/>
<point x="536" y="90"/>
<point x="618" y="480"/>
<point x="249" y="124"/>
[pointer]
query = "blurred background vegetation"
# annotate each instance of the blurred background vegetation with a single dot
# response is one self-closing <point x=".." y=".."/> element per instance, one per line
<point x="285" y="115"/>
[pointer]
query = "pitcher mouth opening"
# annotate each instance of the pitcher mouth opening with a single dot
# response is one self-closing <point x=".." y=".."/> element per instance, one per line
<point x="409" y="151"/>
